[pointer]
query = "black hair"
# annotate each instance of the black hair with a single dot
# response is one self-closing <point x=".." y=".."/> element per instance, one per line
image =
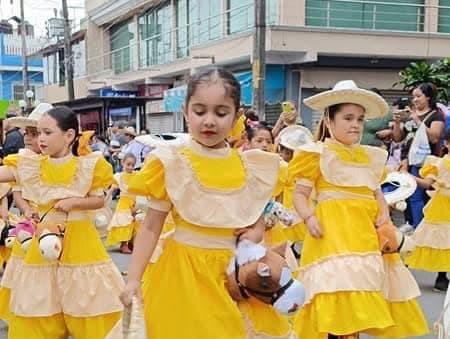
<point x="215" y="74"/>
<point x="66" y="119"/>
<point x="430" y="91"/>
<point x="260" y="126"/>
<point x="375" y="90"/>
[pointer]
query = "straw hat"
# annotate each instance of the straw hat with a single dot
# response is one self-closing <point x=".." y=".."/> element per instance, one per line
<point x="32" y="119"/>
<point x="293" y="137"/>
<point x="129" y="130"/>
<point x="346" y="91"/>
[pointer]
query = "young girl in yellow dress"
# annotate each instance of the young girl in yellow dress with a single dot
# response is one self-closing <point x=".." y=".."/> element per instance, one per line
<point x="214" y="194"/>
<point x="433" y="234"/>
<point x="123" y="225"/>
<point x="341" y="264"/>
<point x="76" y="295"/>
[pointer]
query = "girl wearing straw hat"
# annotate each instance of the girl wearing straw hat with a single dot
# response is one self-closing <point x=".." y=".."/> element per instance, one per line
<point x="341" y="265"/>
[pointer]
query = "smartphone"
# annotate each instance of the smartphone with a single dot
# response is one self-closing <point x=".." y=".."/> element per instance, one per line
<point x="287" y="107"/>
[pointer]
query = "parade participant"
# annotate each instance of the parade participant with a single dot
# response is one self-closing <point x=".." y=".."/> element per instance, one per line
<point x="433" y="234"/>
<point x="215" y="194"/>
<point x="123" y="225"/>
<point x="76" y="295"/>
<point x="341" y="265"/>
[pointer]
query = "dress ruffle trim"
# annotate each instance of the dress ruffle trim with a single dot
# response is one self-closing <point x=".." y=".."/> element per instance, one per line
<point x="213" y="207"/>
<point x="346" y="272"/>
<point x="431" y="235"/>
<point x="35" y="292"/>
<point x="90" y="290"/>
<point x="399" y="284"/>
<point x="12" y="270"/>
<point x="35" y="190"/>
<point x="121" y="219"/>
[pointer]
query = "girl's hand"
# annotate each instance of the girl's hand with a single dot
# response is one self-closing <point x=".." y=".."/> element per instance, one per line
<point x="314" y="227"/>
<point x="382" y="218"/>
<point x="31" y="214"/>
<point x="132" y="288"/>
<point x="66" y="205"/>
<point x="253" y="233"/>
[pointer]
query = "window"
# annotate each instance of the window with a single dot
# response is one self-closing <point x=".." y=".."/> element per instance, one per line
<point x="444" y="17"/>
<point x="156" y="36"/>
<point x="399" y="15"/>
<point x="18" y="91"/>
<point x="182" y="32"/>
<point x="204" y="21"/>
<point x="122" y="43"/>
<point x="242" y="12"/>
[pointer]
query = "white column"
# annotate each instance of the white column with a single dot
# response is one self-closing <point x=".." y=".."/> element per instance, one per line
<point x="431" y="16"/>
<point x="292" y="12"/>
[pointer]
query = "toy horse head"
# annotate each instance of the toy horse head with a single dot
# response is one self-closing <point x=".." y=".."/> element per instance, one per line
<point x="262" y="273"/>
<point x="50" y="243"/>
<point x="23" y="232"/>
<point x="392" y="240"/>
<point x="6" y="238"/>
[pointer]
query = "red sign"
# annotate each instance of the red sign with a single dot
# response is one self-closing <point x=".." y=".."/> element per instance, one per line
<point x="152" y="91"/>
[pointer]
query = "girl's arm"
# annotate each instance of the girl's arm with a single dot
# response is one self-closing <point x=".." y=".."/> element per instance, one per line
<point x="253" y="233"/>
<point x="110" y="192"/>
<point x="383" y="213"/>
<point x="144" y="245"/>
<point x="302" y="206"/>
<point x="6" y="175"/>
<point x="23" y="205"/>
<point x="87" y="203"/>
<point x="425" y="183"/>
<point x="4" y="208"/>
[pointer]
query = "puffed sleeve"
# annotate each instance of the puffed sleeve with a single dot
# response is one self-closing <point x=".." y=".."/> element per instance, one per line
<point x="10" y="162"/>
<point x="282" y="179"/>
<point x="103" y="177"/>
<point x="304" y="169"/>
<point x="149" y="182"/>
<point x="430" y="168"/>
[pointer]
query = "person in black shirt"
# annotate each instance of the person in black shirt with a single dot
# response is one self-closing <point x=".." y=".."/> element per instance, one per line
<point x="13" y="141"/>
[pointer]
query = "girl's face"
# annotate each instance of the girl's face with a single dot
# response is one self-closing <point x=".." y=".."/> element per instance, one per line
<point x="286" y="154"/>
<point x="210" y="115"/>
<point x="419" y="99"/>
<point x="261" y="140"/>
<point x="53" y="141"/>
<point x="30" y="139"/>
<point x="128" y="164"/>
<point x="347" y="125"/>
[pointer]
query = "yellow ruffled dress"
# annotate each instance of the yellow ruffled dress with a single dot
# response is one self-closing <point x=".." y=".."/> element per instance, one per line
<point x="77" y="295"/>
<point x="343" y="272"/>
<point x="5" y="252"/>
<point x="123" y="226"/>
<point x="210" y="193"/>
<point x="432" y="236"/>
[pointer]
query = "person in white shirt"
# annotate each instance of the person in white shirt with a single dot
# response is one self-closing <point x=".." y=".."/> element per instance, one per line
<point x="138" y="149"/>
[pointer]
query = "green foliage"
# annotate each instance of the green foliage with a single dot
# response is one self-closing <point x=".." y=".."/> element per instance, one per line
<point x="437" y="73"/>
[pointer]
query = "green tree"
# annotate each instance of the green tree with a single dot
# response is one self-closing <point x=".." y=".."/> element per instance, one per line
<point x="437" y="73"/>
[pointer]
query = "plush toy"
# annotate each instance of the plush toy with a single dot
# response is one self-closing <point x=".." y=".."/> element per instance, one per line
<point x="50" y="239"/>
<point x="263" y="273"/>
<point x="23" y="232"/>
<point x="392" y="240"/>
<point x="397" y="187"/>
<point x="275" y="212"/>
<point x="6" y="239"/>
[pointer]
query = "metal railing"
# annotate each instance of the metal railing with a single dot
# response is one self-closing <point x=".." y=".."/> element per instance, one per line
<point x="361" y="14"/>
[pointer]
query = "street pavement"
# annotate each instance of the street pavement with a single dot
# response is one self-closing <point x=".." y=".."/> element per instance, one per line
<point x="430" y="301"/>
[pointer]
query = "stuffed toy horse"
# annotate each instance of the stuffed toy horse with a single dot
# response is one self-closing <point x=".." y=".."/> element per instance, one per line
<point x="392" y="240"/>
<point x="275" y="212"/>
<point x="6" y="238"/>
<point x="263" y="273"/>
<point x="23" y="232"/>
<point x="50" y="239"/>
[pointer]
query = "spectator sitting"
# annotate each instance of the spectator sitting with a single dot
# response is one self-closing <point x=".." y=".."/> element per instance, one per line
<point x="13" y="140"/>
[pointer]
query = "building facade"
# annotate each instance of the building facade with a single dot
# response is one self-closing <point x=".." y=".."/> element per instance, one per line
<point x="144" y="45"/>
<point x="11" y="87"/>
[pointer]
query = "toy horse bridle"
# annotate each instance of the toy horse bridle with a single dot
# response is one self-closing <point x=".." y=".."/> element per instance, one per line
<point x="247" y="291"/>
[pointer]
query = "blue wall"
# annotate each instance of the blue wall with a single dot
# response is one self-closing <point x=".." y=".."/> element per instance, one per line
<point x="8" y="78"/>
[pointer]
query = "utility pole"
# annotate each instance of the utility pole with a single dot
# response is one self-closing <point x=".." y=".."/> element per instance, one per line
<point x="68" y="52"/>
<point x="23" y="34"/>
<point x="259" y="58"/>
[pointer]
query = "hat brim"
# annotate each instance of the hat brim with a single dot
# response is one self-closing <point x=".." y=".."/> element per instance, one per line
<point x="285" y="141"/>
<point x="407" y="187"/>
<point x="374" y="105"/>
<point x="22" y="122"/>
